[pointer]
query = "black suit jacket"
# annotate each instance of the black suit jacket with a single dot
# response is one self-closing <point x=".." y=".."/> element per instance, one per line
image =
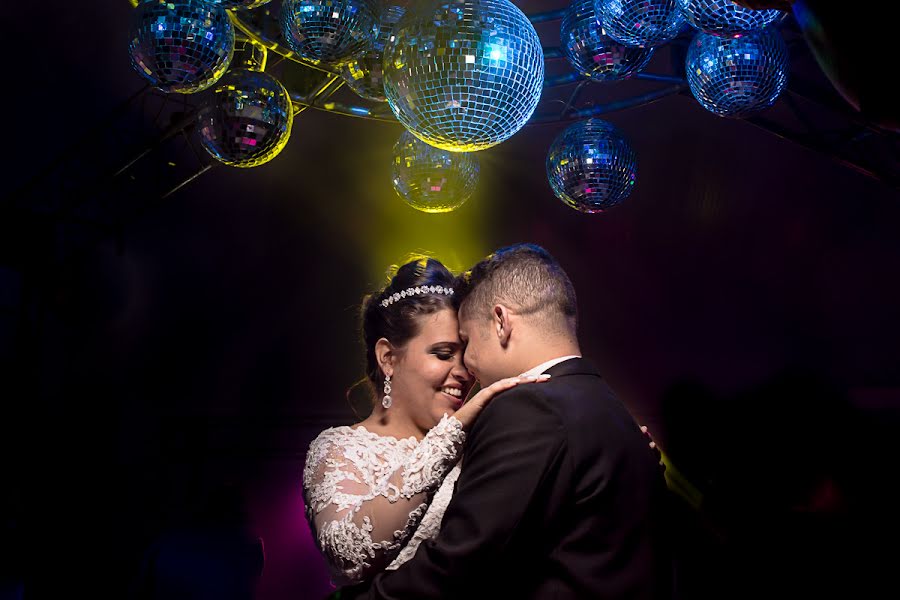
<point x="559" y="497"/>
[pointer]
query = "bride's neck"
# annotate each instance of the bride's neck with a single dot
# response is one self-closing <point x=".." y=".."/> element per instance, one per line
<point x="384" y="422"/>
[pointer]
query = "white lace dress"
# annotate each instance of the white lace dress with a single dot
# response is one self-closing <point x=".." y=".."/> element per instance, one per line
<point x="371" y="499"/>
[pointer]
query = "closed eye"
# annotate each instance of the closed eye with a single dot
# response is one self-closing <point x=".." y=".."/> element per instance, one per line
<point x="446" y="350"/>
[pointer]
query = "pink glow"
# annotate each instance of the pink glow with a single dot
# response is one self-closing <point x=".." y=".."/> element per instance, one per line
<point x="294" y="567"/>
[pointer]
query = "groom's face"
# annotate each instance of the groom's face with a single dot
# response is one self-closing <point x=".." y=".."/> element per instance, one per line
<point x="482" y="356"/>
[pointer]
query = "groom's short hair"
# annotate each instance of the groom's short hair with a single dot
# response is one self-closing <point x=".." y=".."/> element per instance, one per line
<point x="524" y="277"/>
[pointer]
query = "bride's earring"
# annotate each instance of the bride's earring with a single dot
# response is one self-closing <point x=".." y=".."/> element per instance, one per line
<point x="387" y="400"/>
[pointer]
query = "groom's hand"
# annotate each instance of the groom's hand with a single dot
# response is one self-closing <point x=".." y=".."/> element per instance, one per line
<point x="653" y="445"/>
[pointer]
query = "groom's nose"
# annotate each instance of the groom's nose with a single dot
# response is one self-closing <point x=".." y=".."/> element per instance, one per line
<point x="460" y="371"/>
<point x="468" y="368"/>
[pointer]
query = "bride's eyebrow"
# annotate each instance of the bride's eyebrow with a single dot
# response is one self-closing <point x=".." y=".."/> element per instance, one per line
<point x="447" y="343"/>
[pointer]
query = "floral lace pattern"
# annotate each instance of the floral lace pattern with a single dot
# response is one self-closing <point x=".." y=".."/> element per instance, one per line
<point x="368" y="496"/>
<point x="431" y="522"/>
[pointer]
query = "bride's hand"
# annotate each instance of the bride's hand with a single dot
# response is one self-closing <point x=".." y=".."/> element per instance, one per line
<point x="473" y="407"/>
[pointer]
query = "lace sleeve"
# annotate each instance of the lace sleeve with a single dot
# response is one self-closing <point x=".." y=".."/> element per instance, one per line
<point x="366" y="494"/>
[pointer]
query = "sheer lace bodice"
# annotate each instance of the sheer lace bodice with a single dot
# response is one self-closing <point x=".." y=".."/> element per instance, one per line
<point x="367" y="496"/>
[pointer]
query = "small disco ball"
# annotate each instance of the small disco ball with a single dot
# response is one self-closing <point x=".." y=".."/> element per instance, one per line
<point x="245" y="4"/>
<point x="365" y="75"/>
<point x="463" y="75"/>
<point x="734" y="77"/>
<point x="724" y="17"/>
<point x="331" y="31"/>
<point x="181" y="46"/>
<point x="591" y="53"/>
<point x="591" y="166"/>
<point x="644" y="23"/>
<point x="248" y="120"/>
<point x="390" y="15"/>
<point x="431" y="179"/>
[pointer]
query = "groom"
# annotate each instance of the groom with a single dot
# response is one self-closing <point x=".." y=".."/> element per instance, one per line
<point x="559" y="495"/>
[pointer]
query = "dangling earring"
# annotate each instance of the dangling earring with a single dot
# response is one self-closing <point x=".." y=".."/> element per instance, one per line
<point x="387" y="400"/>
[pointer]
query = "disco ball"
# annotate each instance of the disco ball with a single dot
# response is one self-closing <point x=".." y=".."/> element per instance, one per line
<point x="591" y="166"/>
<point x="724" y="17"/>
<point x="644" y="23"/>
<point x="332" y="31"/>
<point x="463" y="75"/>
<point x="365" y="75"/>
<point x="591" y="53"/>
<point x="181" y="46"/>
<point x="431" y="179"/>
<point x="248" y="120"/>
<point x="734" y="77"/>
<point x="245" y="4"/>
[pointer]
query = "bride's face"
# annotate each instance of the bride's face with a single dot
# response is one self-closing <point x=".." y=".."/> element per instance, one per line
<point x="429" y="376"/>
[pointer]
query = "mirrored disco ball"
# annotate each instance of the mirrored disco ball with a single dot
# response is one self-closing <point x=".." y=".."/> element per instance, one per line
<point x="463" y="75"/>
<point x="737" y="76"/>
<point x="365" y="75"/>
<point x="246" y="4"/>
<point x="181" y="46"/>
<point x="724" y="17"/>
<point x="643" y="23"/>
<point x="591" y="166"/>
<point x="248" y="120"/>
<point x="431" y="179"/>
<point x="593" y="54"/>
<point x="332" y="31"/>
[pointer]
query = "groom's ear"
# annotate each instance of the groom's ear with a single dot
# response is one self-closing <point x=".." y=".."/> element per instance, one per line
<point x="385" y="355"/>
<point x="501" y="324"/>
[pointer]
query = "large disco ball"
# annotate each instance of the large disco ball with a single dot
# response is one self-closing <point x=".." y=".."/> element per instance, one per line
<point x="245" y="4"/>
<point x="365" y="75"/>
<point x="593" y="54"/>
<point x="332" y="31"/>
<point x="591" y="166"/>
<point x="431" y="179"/>
<point x="734" y="77"/>
<point x="644" y="23"/>
<point x="248" y="120"/>
<point x="181" y="46"/>
<point x="724" y="17"/>
<point x="463" y="75"/>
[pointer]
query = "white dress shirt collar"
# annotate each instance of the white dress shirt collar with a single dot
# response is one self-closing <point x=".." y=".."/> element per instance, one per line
<point x="546" y="365"/>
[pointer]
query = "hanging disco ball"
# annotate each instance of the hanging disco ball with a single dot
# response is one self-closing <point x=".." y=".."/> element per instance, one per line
<point x="181" y="46"/>
<point x="431" y="179"/>
<point x="724" y="17"/>
<point x="245" y="4"/>
<point x="365" y="75"/>
<point x="593" y="54"/>
<point x="332" y="31"/>
<point x="591" y="166"/>
<point x="644" y="23"/>
<point x="734" y="77"/>
<point x="248" y="120"/>
<point x="463" y="75"/>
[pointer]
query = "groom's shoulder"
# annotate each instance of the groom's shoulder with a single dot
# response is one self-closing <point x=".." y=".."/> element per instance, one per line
<point x="528" y="401"/>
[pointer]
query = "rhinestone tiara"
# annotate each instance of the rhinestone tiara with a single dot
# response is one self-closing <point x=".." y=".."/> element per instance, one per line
<point x="416" y="291"/>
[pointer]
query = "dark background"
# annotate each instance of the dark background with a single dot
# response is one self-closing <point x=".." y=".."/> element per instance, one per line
<point x="742" y="302"/>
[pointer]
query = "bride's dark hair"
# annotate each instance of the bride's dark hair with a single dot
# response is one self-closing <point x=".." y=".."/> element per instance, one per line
<point x="399" y="321"/>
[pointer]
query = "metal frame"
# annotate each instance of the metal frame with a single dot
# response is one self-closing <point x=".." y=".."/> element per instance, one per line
<point x="163" y="157"/>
